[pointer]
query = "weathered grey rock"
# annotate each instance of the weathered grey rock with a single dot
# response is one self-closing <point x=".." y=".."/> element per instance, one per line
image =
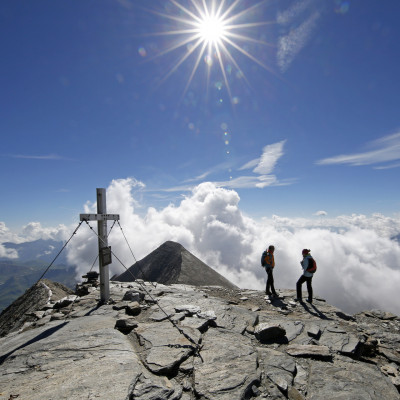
<point x="314" y="331"/>
<point x="278" y="367"/>
<point x="208" y="315"/>
<point x="132" y="295"/>
<point x="57" y="317"/>
<point x="65" y="301"/>
<point x="195" y="323"/>
<point x="265" y="332"/>
<point x="159" y="315"/>
<point x="163" y="348"/>
<point x="36" y="314"/>
<point x="34" y="299"/>
<point x="294" y="394"/>
<point x="152" y="387"/>
<point x="211" y="352"/>
<point x="220" y="374"/>
<point x="339" y="341"/>
<point x="126" y="325"/>
<point x="304" y="350"/>
<point x="65" y="361"/>
<point x="133" y="308"/>
<point x="189" y="309"/>
<point x="346" y="379"/>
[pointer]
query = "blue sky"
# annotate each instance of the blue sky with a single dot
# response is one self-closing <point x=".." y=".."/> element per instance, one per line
<point x="306" y="118"/>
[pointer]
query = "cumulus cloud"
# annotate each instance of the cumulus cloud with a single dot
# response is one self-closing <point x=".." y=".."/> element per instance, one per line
<point x="29" y="233"/>
<point x="321" y="213"/>
<point x="385" y="149"/>
<point x="35" y="231"/>
<point x="358" y="259"/>
<point x="7" y="236"/>
<point x="356" y="255"/>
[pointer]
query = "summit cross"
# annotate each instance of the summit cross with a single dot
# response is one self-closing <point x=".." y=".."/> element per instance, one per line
<point x="104" y="250"/>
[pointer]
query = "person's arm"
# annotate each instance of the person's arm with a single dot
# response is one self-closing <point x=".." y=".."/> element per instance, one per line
<point x="304" y="264"/>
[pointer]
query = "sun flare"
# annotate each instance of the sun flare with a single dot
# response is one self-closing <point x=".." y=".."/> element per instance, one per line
<point x="212" y="32"/>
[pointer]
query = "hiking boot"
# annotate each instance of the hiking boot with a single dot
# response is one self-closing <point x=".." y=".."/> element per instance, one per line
<point x="298" y="299"/>
<point x="309" y="301"/>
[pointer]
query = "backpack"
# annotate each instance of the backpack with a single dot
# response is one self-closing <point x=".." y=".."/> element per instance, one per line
<point x="312" y="265"/>
<point x="264" y="254"/>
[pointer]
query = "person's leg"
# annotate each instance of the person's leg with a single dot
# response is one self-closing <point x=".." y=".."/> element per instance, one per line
<point x="272" y="287"/>
<point x="268" y="287"/>
<point x="301" y="280"/>
<point x="309" y="289"/>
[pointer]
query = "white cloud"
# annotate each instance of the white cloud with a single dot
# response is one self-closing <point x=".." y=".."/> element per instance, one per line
<point x="321" y="213"/>
<point x="300" y="20"/>
<point x="262" y="168"/>
<point x="355" y="254"/>
<point x="42" y="157"/>
<point x="34" y="231"/>
<point x="292" y="14"/>
<point x="250" y="164"/>
<point x="271" y="154"/>
<point x="243" y="182"/>
<point x="386" y="149"/>
<point x="358" y="262"/>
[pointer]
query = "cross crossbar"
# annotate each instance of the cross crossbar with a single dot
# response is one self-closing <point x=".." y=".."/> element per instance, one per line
<point x="99" y="217"/>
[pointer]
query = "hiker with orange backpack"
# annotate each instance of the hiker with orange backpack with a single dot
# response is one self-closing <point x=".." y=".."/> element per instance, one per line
<point x="268" y="262"/>
<point x="309" y="267"/>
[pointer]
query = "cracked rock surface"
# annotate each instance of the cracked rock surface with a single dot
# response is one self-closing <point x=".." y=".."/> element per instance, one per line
<point x="184" y="342"/>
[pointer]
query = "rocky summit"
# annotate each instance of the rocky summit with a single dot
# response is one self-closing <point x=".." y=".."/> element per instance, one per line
<point x="172" y="263"/>
<point x="181" y="342"/>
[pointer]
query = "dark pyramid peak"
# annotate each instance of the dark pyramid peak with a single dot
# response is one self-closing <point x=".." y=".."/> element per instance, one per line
<point x="172" y="263"/>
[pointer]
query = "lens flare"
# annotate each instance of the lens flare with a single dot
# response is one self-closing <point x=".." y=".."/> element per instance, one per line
<point x="218" y="32"/>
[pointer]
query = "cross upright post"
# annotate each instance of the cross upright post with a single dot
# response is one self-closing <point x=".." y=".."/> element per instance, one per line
<point x="104" y="251"/>
<point x="103" y="242"/>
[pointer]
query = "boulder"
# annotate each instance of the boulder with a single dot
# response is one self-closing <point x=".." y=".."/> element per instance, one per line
<point x="269" y="332"/>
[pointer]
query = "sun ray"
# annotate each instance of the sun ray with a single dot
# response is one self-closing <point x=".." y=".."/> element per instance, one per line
<point x="247" y="54"/>
<point x="182" y="59"/>
<point x="194" y="69"/>
<point x="210" y="30"/>
<point x="184" y="9"/>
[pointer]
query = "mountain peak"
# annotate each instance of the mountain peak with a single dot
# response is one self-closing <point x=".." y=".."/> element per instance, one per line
<point x="172" y="263"/>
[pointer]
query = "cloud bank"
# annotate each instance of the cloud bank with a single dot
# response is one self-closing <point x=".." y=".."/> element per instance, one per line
<point x="358" y="261"/>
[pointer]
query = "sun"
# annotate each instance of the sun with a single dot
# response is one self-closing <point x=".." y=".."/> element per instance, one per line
<point x="210" y="32"/>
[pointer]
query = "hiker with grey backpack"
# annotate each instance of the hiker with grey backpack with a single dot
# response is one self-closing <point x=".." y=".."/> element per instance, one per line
<point x="309" y="267"/>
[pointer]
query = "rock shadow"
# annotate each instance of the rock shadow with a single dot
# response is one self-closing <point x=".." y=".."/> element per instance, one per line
<point x="43" y="335"/>
<point x="313" y="310"/>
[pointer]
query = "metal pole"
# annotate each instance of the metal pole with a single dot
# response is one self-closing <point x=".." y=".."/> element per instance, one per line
<point x="102" y="232"/>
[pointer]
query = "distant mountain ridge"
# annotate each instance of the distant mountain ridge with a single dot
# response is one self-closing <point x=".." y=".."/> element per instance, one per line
<point x="41" y="251"/>
<point x="172" y="263"/>
<point x="17" y="275"/>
